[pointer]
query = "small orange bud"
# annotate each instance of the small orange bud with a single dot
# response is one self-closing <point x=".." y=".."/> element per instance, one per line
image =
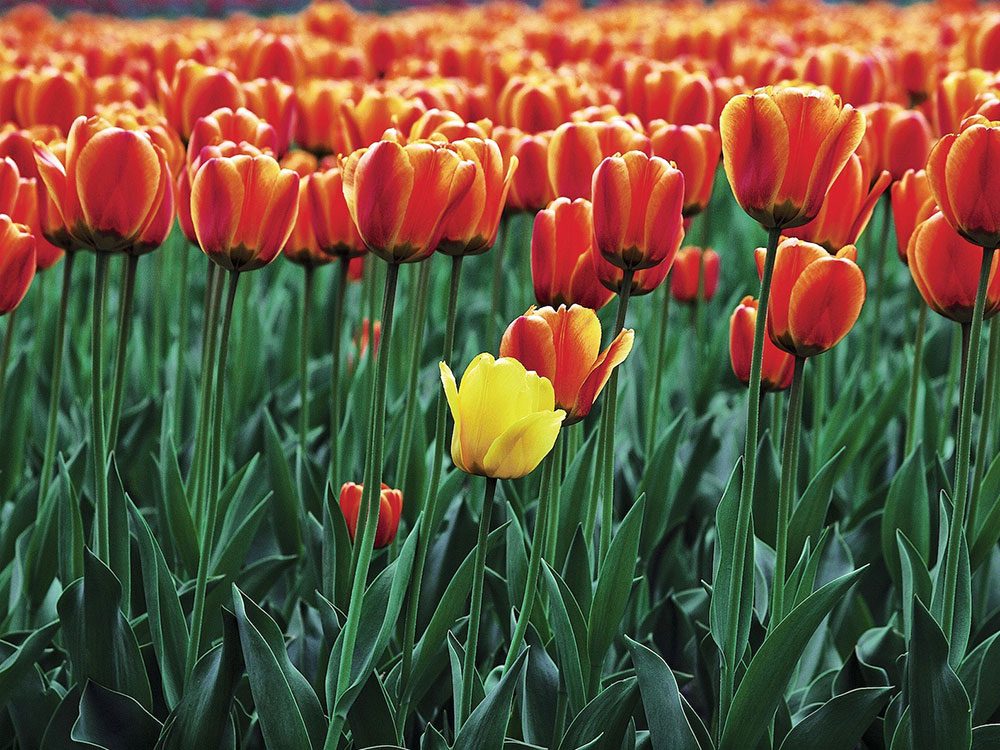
<point x="389" y="511"/>
<point x="690" y="265"/>
<point x="776" y="366"/>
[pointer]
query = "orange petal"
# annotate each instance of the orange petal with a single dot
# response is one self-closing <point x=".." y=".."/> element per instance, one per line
<point x="825" y="303"/>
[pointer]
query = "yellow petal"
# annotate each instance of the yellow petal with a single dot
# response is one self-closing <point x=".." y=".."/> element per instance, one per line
<point x="451" y="393"/>
<point x="523" y="445"/>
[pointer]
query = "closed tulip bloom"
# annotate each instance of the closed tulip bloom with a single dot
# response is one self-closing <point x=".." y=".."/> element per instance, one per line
<point x="690" y="264"/>
<point x="155" y="233"/>
<point x="562" y="269"/>
<point x="243" y="209"/>
<point x="679" y="96"/>
<point x="637" y="210"/>
<point x="50" y="96"/>
<point x="302" y="247"/>
<point x="530" y="190"/>
<point x="17" y="263"/>
<point x="896" y="139"/>
<point x="335" y="231"/>
<point x="945" y="267"/>
<point x="955" y="96"/>
<point x="450" y="124"/>
<point x="847" y="209"/>
<point x="150" y="121"/>
<point x="389" y="511"/>
<point x="197" y="90"/>
<point x="399" y="196"/>
<point x="962" y="171"/>
<point x="300" y="161"/>
<point x="237" y="126"/>
<point x="577" y="148"/>
<point x="275" y="102"/>
<point x="471" y="227"/>
<point x="505" y="417"/>
<point x="319" y="128"/>
<point x="695" y="150"/>
<point x="815" y="297"/>
<point x="776" y="366"/>
<point x="18" y="144"/>
<point x="112" y="187"/>
<point x="783" y="148"/>
<point x="50" y="220"/>
<point x="365" y="120"/>
<point x="912" y="202"/>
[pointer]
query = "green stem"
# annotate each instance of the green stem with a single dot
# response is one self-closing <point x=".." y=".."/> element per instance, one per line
<point x="659" y="364"/>
<point x="985" y="421"/>
<point x="121" y="356"/>
<point x="199" y="461"/>
<point x="212" y="499"/>
<point x="964" y="452"/>
<point x="368" y="514"/>
<point x="552" y="535"/>
<point x="786" y="492"/>
<point x="307" y="293"/>
<point x="745" y="510"/>
<point x="915" y="372"/>
<point x="97" y="409"/>
<point x="822" y="367"/>
<point x="182" y="340"/>
<point x="429" y="512"/>
<point x="476" y="611"/>
<point x="5" y="352"/>
<point x="336" y="351"/>
<point x="880" y="255"/>
<point x="418" y="324"/>
<point x="550" y="486"/>
<point x="496" y="289"/>
<point x="58" y="347"/>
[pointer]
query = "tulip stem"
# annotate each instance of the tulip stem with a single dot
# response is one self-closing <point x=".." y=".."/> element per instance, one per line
<point x="963" y="453"/>
<point x="182" y="340"/>
<point x="915" y="372"/>
<point x="985" y="422"/>
<point x="822" y="367"/>
<point x="607" y="439"/>
<point x="661" y="345"/>
<point x="368" y="513"/>
<point x="429" y="512"/>
<point x="419" y="312"/>
<point x="336" y="350"/>
<point x="730" y="645"/>
<point x="124" y="332"/>
<point x="538" y="541"/>
<point x="97" y="409"/>
<point x="880" y="254"/>
<point x="476" y="611"/>
<point x="307" y="295"/>
<point x="212" y="492"/>
<point x="213" y="294"/>
<point x="5" y="352"/>
<point x="58" y="347"/>
<point x="505" y="234"/>
<point x="786" y="492"/>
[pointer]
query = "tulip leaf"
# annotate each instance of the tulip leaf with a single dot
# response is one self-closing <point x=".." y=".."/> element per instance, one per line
<point x="487" y="724"/>
<point x="602" y="722"/>
<point x="916" y="581"/>
<point x="569" y="630"/>
<point x="113" y="721"/>
<point x="22" y="657"/>
<point x="907" y="509"/>
<point x="177" y="509"/>
<point x="979" y="676"/>
<point x="986" y="737"/>
<point x="987" y="523"/>
<point x="661" y="700"/>
<point x="840" y="722"/>
<point x="286" y="506"/>
<point x="811" y="510"/>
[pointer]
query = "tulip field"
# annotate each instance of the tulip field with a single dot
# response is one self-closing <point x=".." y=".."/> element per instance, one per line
<point x="501" y="377"/>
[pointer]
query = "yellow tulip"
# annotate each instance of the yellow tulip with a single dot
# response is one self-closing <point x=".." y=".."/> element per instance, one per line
<point x="505" y="417"/>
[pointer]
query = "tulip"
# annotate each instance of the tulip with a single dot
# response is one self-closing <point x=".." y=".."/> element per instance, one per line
<point x="562" y="266"/>
<point x="563" y="346"/>
<point x="150" y="121"/>
<point x="955" y="96"/>
<point x="678" y="96"/>
<point x="300" y="161"/>
<point x="390" y="510"/>
<point x="643" y="282"/>
<point x="17" y="263"/>
<point x="399" y="196"/>
<point x="302" y="248"/>
<point x="335" y="230"/>
<point x="780" y="174"/>
<point x="912" y="203"/>
<point x="267" y="55"/>
<point x="449" y="124"/>
<point x="50" y="96"/>
<point x="530" y="189"/>
<point x="320" y="128"/>
<point x="776" y="368"/>
<point x="275" y="102"/>
<point x="577" y="148"/>
<point x="695" y="274"/>
<point x="237" y="126"/>
<point x="896" y="139"/>
<point x="695" y="151"/>
<point x="365" y="120"/>
<point x="197" y="90"/>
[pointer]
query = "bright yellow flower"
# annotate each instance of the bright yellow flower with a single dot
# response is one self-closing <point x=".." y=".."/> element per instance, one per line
<point x="505" y="417"/>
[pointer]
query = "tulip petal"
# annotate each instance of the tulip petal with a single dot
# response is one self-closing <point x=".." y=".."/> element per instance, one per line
<point x="616" y="353"/>
<point x="755" y="143"/>
<point x="522" y="446"/>
<point x="825" y="303"/>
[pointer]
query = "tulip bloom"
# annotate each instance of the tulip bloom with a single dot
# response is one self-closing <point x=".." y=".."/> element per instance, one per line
<point x="896" y="139"/>
<point x="955" y="96"/>
<point x="962" y="171"/>
<point x="505" y="417"/>
<point x="783" y="148"/>
<point x="945" y="267"/>
<point x="399" y="196"/>
<point x="196" y="91"/>
<point x="847" y="209"/>
<point x="676" y="95"/>
<point x="335" y="231"/>
<point x="243" y="209"/>
<point x="530" y="189"/>
<point x="562" y="268"/>
<point x="695" y="151"/>
<point x="320" y="128"/>
<point x="112" y="188"/>
<point x="690" y="264"/>
<point x="777" y="366"/>
<point x="274" y="101"/>
<point x="226" y="125"/>
<point x="389" y="511"/>
<point x="637" y="211"/>
<point x="912" y="202"/>
<point x="643" y="282"/>
<point x="577" y="148"/>
<point x="365" y="120"/>
<point x="815" y="297"/>
<point x="50" y="96"/>
<point x="302" y="247"/>
<point x="449" y="124"/>
<point x="471" y="227"/>
<point x="17" y="263"/>
<point x="564" y="346"/>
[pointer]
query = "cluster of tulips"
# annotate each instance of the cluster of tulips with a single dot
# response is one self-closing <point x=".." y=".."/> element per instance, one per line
<point x="370" y="144"/>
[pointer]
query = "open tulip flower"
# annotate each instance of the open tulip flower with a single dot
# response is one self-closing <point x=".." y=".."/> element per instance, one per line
<point x="505" y="417"/>
<point x="776" y="370"/>
<point x="563" y="346"/>
<point x="17" y="263"/>
<point x="783" y="147"/>
<point x="816" y="297"/>
<point x="389" y="511"/>
<point x="562" y="266"/>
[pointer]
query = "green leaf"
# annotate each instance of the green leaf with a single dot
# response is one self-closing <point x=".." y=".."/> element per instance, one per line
<point x="113" y="721"/>
<point x="724" y="622"/>
<point x="371" y="716"/>
<point x="661" y="700"/>
<point x="71" y="542"/>
<point x="811" y="510"/>
<point x="986" y="737"/>
<point x="978" y="673"/>
<point x="22" y="657"/>
<point x="177" y="509"/>
<point x="287" y="509"/>
<point x="602" y="723"/>
<point x="570" y="632"/>
<point x="487" y="725"/>
<point x="987" y="521"/>
<point x="770" y="669"/>
<point x="656" y="482"/>
<point x="840" y="722"/>
<point x="907" y="509"/>
<point x="916" y="580"/>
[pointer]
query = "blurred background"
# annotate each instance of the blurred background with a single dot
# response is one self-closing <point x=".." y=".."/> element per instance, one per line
<point x="207" y="8"/>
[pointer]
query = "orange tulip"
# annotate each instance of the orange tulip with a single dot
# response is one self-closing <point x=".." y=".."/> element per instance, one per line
<point x="896" y="139"/>
<point x="962" y="171"/>
<point x="562" y="269"/>
<point x="847" y="209"/>
<point x="226" y="125"/>
<point x="776" y="367"/>
<point x="197" y="90"/>
<point x="449" y="124"/>
<point x="678" y="96"/>
<point x="320" y="128"/>
<point x="266" y="55"/>
<point x="365" y="120"/>
<point x="637" y="211"/>
<point x="274" y="101"/>
<point x="18" y="144"/>
<point x="335" y="231"/>
<point x="50" y="96"/>
<point x="113" y="185"/>
<point x="860" y="77"/>
<point x="577" y="148"/>
<point x="471" y="227"/>
<point x="389" y="511"/>
<point x="150" y="121"/>
<point x="644" y="281"/>
<point x="783" y="148"/>
<point x="20" y="196"/>
<point x="301" y="162"/>
<point x="563" y="345"/>
<point x="302" y="247"/>
<point x="243" y="209"/>
<point x="695" y="150"/>
<point x="399" y="196"/>
<point x="17" y="263"/>
<point x="955" y="96"/>
<point x="690" y="264"/>
<point x="945" y="268"/>
<point x="815" y="297"/>
<point x="912" y="202"/>
<point x="530" y="190"/>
